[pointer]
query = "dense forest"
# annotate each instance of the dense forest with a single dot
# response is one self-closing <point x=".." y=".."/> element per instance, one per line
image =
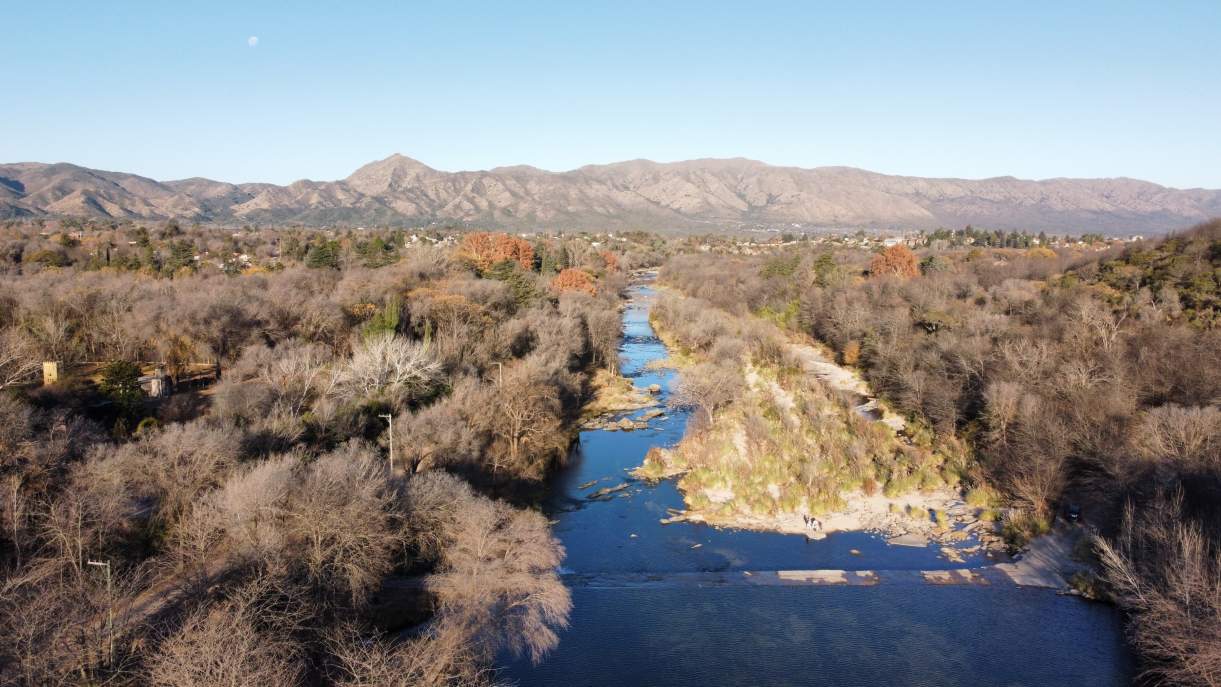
<point x="1083" y="380"/>
<point x="337" y="489"/>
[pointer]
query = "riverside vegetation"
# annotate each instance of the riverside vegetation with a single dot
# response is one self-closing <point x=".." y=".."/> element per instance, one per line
<point x="248" y="529"/>
<point x="1037" y="380"/>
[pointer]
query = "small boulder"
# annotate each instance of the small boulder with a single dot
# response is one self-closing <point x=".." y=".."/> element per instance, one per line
<point x="654" y="388"/>
<point x="627" y="424"/>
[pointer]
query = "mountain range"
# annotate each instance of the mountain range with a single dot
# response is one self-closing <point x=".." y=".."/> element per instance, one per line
<point x="707" y="194"/>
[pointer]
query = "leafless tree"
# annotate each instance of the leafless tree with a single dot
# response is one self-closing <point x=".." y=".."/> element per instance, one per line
<point x="19" y="363"/>
<point x="496" y="572"/>
<point x="344" y="487"/>
<point x="243" y="640"/>
<point x="525" y="415"/>
<point x="1166" y="574"/>
<point x="1191" y="436"/>
<point x="390" y="368"/>
<point x="708" y="387"/>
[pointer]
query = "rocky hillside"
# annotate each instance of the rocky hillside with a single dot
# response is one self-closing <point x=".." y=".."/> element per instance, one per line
<point x="697" y="194"/>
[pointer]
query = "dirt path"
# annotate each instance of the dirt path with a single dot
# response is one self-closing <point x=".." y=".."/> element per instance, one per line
<point x="841" y="378"/>
<point x="1048" y="561"/>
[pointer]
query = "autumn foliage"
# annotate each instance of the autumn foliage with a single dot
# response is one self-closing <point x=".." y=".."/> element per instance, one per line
<point x="896" y="260"/>
<point x="573" y="279"/>
<point x="611" y="260"/>
<point x="484" y="249"/>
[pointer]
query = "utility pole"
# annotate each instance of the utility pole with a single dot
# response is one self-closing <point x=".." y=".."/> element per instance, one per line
<point x="501" y="367"/>
<point x="109" y="610"/>
<point x="390" y="421"/>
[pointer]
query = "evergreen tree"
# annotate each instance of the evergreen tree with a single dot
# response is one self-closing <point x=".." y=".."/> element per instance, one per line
<point x="386" y="320"/>
<point x="120" y="383"/>
<point x="324" y="254"/>
<point x="519" y="281"/>
<point x="182" y="254"/>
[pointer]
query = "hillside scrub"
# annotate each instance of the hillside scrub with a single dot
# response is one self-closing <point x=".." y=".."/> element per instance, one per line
<point x="250" y="520"/>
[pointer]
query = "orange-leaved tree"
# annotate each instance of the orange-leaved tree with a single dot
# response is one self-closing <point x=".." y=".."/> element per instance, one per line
<point x="573" y="279"/>
<point x="611" y="260"/>
<point x="896" y="260"/>
<point x="484" y="249"/>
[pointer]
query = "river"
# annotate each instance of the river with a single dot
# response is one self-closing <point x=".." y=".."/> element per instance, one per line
<point x="686" y="604"/>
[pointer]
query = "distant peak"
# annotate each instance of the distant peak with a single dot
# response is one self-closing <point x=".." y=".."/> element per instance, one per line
<point x="391" y="172"/>
<point x="398" y="161"/>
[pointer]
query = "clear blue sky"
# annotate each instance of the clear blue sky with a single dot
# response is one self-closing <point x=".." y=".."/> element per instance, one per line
<point x="974" y="89"/>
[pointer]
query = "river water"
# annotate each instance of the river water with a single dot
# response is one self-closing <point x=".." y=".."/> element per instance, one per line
<point x="661" y="604"/>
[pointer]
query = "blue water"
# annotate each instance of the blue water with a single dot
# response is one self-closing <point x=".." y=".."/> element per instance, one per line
<point x="890" y="634"/>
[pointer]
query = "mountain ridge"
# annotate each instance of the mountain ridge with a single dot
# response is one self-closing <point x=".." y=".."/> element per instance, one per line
<point x="708" y="193"/>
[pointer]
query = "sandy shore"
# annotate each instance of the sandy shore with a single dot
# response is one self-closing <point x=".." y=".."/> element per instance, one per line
<point x="906" y="520"/>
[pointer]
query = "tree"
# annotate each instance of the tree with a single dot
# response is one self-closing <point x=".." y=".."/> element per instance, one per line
<point x="243" y="640"/>
<point x="182" y="254"/>
<point x="825" y="270"/>
<point x="50" y="258"/>
<point x="610" y="260"/>
<point x="120" y="383"/>
<point x="388" y="368"/>
<point x="483" y="250"/>
<point x="323" y="255"/>
<point x="386" y="320"/>
<point x="708" y="387"/>
<point x="574" y="279"/>
<point x="525" y="416"/>
<point x="496" y="573"/>
<point x="520" y="282"/>
<point x="1165" y="575"/>
<point x="18" y="361"/>
<point x="341" y="489"/>
<point x="898" y="260"/>
<point x="378" y="253"/>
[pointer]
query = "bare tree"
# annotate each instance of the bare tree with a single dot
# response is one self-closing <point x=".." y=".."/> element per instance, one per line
<point x="524" y="413"/>
<point x="445" y="655"/>
<point x="389" y="368"/>
<point x="496" y="569"/>
<point x="342" y="488"/>
<point x="1167" y="575"/>
<point x="244" y="640"/>
<point x="708" y="387"/>
<point x="19" y="362"/>
<point x="1187" y="435"/>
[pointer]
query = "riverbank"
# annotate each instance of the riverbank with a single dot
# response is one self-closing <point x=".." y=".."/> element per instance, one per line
<point x="613" y="393"/>
<point x="849" y="608"/>
<point x="802" y="448"/>
<point x="790" y="456"/>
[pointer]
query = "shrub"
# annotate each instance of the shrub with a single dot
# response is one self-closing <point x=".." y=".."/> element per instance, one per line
<point x="851" y="353"/>
<point x="981" y="496"/>
<point x="869" y="486"/>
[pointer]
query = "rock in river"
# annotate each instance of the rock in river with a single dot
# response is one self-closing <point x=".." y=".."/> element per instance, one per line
<point x="606" y="491"/>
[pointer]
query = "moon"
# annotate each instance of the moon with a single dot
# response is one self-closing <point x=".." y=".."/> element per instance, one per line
<point x="253" y="41"/>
